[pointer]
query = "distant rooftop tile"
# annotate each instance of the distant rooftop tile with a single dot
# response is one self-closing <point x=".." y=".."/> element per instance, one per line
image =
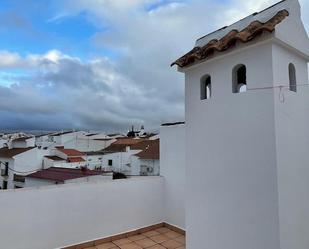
<point x="8" y="153"/>
<point x="55" y="158"/>
<point x="151" y="152"/>
<point x="71" y="152"/>
<point x="76" y="159"/>
<point x="63" y="174"/>
<point x="21" y="139"/>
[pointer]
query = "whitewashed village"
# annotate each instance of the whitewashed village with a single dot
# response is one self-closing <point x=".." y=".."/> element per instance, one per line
<point x="233" y="175"/>
<point x="76" y="156"/>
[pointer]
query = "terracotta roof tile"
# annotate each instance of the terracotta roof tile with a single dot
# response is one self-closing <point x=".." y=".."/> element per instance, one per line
<point x="8" y="153"/>
<point x="55" y="158"/>
<point x="21" y="139"/>
<point x="121" y="144"/>
<point x="253" y="30"/>
<point x="151" y="152"/>
<point x="143" y="145"/>
<point x="115" y="148"/>
<point x="76" y="159"/>
<point x="128" y="141"/>
<point x="63" y="174"/>
<point x="71" y="152"/>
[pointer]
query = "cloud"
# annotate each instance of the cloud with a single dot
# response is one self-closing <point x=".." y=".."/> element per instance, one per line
<point x="91" y="94"/>
<point x="8" y="59"/>
<point x="56" y="90"/>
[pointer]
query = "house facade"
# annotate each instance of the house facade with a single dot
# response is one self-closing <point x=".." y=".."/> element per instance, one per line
<point x="133" y="157"/>
<point x="147" y="161"/>
<point x="94" y="160"/>
<point x="246" y="91"/>
<point x="16" y="163"/>
<point x="65" y="158"/>
<point x="22" y="142"/>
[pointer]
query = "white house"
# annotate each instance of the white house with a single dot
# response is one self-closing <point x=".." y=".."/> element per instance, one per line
<point x="53" y="161"/>
<point x="65" y="158"/>
<point x="89" y="143"/>
<point x="16" y="163"/>
<point x="22" y="142"/>
<point x="247" y="137"/>
<point x="117" y="156"/>
<point x="147" y="161"/>
<point x="123" y="156"/>
<point x="94" y="160"/>
<point x="3" y="142"/>
<point x="78" y="140"/>
<point x="44" y="141"/>
<point x="67" y="139"/>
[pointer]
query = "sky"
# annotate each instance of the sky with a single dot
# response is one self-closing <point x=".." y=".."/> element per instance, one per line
<point x="102" y="64"/>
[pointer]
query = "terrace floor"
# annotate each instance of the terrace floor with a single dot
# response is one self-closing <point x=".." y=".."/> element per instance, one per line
<point x="159" y="238"/>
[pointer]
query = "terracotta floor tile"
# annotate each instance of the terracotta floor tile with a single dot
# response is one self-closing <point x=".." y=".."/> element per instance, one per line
<point x="108" y="245"/>
<point x="121" y="242"/>
<point x="151" y="233"/>
<point x="130" y="246"/>
<point x="160" y="238"/>
<point x="172" y="234"/>
<point x="171" y="244"/>
<point x="156" y="247"/>
<point x="137" y="237"/>
<point x="181" y="239"/>
<point x="144" y="243"/>
<point x="163" y="230"/>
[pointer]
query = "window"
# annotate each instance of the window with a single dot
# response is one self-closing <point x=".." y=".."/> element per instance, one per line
<point x="4" y="185"/>
<point x="143" y="171"/>
<point x="19" y="178"/>
<point x="205" y="87"/>
<point x="292" y="77"/>
<point x="5" y="171"/>
<point x="239" y="79"/>
<point x="110" y="162"/>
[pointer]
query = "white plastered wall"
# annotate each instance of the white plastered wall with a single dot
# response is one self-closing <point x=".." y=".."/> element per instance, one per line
<point x="231" y="173"/>
<point x="292" y="140"/>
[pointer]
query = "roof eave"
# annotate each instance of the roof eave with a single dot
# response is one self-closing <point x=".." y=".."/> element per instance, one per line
<point x="216" y="46"/>
<point x="267" y="38"/>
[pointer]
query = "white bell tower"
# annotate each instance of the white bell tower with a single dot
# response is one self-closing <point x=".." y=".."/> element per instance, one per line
<point x="247" y="134"/>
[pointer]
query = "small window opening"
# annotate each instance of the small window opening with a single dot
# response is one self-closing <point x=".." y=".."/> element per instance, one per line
<point x="292" y="78"/>
<point x="206" y="87"/>
<point x="239" y="79"/>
